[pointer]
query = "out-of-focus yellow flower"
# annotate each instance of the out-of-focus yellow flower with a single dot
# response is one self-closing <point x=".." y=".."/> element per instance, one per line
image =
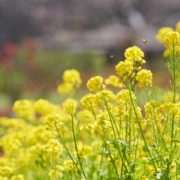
<point x="95" y="83"/>
<point x="162" y="33"/>
<point x="24" y="109"/>
<point x="172" y="39"/>
<point x="71" y="81"/>
<point x="168" y="96"/>
<point x="17" y="177"/>
<point x="56" y="172"/>
<point x="178" y="26"/>
<point x="144" y="78"/>
<point x="88" y="101"/>
<point x="65" y="88"/>
<point x="53" y="148"/>
<point x="6" y="171"/>
<point x="70" y="106"/>
<point x="52" y="120"/>
<point x="104" y="96"/>
<point x="84" y="150"/>
<point x="11" y="143"/>
<point x="144" y="178"/>
<point x="85" y="116"/>
<point x="114" y="81"/>
<point x="72" y="76"/>
<point x="44" y="107"/>
<point x="69" y="165"/>
<point x="167" y="108"/>
<point x="123" y="97"/>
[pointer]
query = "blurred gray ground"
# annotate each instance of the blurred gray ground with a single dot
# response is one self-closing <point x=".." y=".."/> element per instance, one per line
<point x="79" y="25"/>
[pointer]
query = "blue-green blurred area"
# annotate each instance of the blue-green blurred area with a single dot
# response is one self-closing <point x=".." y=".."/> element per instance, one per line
<point x="39" y="39"/>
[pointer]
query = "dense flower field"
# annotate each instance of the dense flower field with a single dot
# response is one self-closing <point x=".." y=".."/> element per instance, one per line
<point x="105" y="134"/>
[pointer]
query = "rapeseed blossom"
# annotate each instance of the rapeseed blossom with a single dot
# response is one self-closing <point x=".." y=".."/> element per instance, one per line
<point x="95" y="83"/>
<point x="144" y="78"/>
<point x="107" y="134"/>
<point x="71" y="81"/>
<point x="134" y="54"/>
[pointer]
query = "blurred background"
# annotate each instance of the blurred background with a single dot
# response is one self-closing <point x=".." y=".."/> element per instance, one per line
<point x="39" y="39"/>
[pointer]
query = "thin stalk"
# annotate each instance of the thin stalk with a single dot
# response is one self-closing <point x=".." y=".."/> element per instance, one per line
<point x="76" y="148"/>
<point x="141" y="131"/>
<point x="174" y="72"/>
<point x="114" y="132"/>
<point x="94" y="114"/>
<point x="102" y="158"/>
<point x="114" y="165"/>
<point x="63" y="143"/>
<point x="109" y="153"/>
<point x="154" y="117"/>
<point x="174" y="88"/>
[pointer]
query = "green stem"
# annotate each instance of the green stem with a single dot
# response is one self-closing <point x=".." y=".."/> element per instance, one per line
<point x="141" y="131"/>
<point x="63" y="143"/>
<point x="105" y="145"/>
<point x="76" y="148"/>
<point x="114" y="132"/>
<point x="174" y="88"/>
<point x="156" y="124"/>
<point x="102" y="158"/>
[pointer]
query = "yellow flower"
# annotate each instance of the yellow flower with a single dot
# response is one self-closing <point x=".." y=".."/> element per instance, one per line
<point x="51" y="120"/>
<point x="84" y="150"/>
<point x="104" y="96"/>
<point x="144" y="178"/>
<point x="95" y="83"/>
<point x="65" y="88"/>
<point x="88" y="101"/>
<point x="123" y="96"/>
<point x="53" y="148"/>
<point x="71" y="81"/>
<point x="55" y="172"/>
<point x="114" y="81"/>
<point x="85" y="116"/>
<point x="72" y="76"/>
<point x="134" y="54"/>
<point x="178" y="26"/>
<point x="172" y="38"/>
<point x="162" y="33"/>
<point x="70" y="106"/>
<point x="144" y="78"/>
<point x="24" y="109"/>
<point x="69" y="165"/>
<point x="6" y="171"/>
<point x="168" y="96"/>
<point x="124" y="68"/>
<point x="18" y="177"/>
<point x="44" y="107"/>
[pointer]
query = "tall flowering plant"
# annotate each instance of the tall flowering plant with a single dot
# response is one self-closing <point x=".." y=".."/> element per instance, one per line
<point x="104" y="135"/>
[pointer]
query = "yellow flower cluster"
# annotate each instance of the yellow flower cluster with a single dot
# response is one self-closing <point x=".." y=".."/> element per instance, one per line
<point x="71" y="81"/>
<point x="24" y="109"/>
<point x="124" y="68"/>
<point x="170" y="39"/>
<point x="114" y="81"/>
<point x="56" y="172"/>
<point x="70" y="106"/>
<point x="134" y="54"/>
<point x="53" y="148"/>
<point x="95" y="83"/>
<point x="104" y="135"/>
<point x="130" y="70"/>
<point x="144" y="78"/>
